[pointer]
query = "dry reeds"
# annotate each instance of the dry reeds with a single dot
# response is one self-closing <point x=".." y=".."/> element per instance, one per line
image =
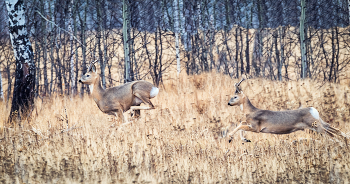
<point x="180" y="141"/>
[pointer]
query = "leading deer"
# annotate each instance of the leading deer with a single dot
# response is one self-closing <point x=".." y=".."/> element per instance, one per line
<point x="118" y="99"/>
<point x="277" y="122"/>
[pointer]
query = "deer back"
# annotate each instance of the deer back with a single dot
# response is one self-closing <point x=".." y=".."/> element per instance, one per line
<point x="281" y="117"/>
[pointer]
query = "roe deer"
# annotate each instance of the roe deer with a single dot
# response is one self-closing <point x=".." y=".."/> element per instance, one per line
<point x="277" y="122"/>
<point x="118" y="99"/>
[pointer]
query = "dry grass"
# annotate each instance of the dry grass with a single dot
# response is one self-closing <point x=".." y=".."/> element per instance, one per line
<point x="181" y="140"/>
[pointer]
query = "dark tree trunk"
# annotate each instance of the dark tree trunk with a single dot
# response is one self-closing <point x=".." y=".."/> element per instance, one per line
<point x="23" y="93"/>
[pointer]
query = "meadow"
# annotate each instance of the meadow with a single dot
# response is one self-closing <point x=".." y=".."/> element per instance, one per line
<point x="182" y="140"/>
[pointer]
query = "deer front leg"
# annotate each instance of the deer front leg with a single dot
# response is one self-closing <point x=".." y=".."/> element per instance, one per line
<point x="121" y="115"/>
<point x="242" y="137"/>
<point x="243" y="128"/>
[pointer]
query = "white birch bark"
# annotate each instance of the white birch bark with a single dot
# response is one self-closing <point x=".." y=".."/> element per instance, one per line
<point x="23" y="93"/>
<point x="176" y="30"/>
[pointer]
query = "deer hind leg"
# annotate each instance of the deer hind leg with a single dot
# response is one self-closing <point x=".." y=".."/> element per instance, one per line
<point x="136" y="113"/>
<point x="323" y="127"/>
<point x="144" y="100"/>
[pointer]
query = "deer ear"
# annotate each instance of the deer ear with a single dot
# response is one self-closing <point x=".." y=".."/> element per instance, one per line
<point x="93" y="68"/>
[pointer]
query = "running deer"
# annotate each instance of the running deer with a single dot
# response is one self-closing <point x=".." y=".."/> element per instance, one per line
<point x="116" y="100"/>
<point x="277" y="122"/>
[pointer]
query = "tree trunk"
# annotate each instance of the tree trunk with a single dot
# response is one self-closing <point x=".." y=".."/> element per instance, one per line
<point x="126" y="40"/>
<point x="52" y="42"/>
<point x="23" y="93"/>
<point x="44" y="46"/>
<point x="1" y="90"/>
<point x="333" y="56"/>
<point x="83" y="41"/>
<point x="349" y="10"/>
<point x="100" y="52"/>
<point x="176" y="30"/>
<point x="277" y="53"/>
<point x="237" y="46"/>
<point x="70" y="30"/>
<point x="76" y="49"/>
<point x="302" y="39"/>
<point x="281" y="34"/>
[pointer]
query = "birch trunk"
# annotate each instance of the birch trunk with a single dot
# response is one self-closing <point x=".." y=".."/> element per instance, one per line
<point x="100" y="52"/>
<point x="278" y="59"/>
<point x="23" y="93"/>
<point x="176" y="30"/>
<point x="302" y="39"/>
<point x="126" y="39"/>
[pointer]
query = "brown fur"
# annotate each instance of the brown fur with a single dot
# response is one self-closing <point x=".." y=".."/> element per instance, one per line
<point x="118" y="99"/>
<point x="277" y="122"/>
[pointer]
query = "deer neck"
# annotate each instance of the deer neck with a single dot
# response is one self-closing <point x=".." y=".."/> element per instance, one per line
<point x="247" y="107"/>
<point x="96" y="90"/>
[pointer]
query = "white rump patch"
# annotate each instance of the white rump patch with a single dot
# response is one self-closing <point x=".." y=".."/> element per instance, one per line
<point x="241" y="106"/>
<point x="314" y="113"/>
<point x="91" y="86"/>
<point x="154" y="92"/>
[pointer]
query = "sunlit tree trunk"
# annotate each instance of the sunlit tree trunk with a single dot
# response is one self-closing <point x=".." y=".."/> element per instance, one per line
<point x="23" y="93"/>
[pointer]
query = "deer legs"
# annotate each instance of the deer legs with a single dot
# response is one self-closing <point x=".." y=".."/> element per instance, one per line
<point x="242" y="128"/>
<point x="144" y="100"/>
<point x="120" y="115"/>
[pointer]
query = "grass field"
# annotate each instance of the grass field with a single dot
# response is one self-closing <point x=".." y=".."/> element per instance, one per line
<point x="180" y="141"/>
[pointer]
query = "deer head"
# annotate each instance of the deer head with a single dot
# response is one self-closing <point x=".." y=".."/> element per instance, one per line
<point x="239" y="96"/>
<point x="91" y="75"/>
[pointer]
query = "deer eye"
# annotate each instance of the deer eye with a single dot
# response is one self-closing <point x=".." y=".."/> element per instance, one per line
<point x="87" y="75"/>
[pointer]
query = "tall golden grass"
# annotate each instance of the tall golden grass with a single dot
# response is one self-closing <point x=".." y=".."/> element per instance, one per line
<point x="181" y="141"/>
